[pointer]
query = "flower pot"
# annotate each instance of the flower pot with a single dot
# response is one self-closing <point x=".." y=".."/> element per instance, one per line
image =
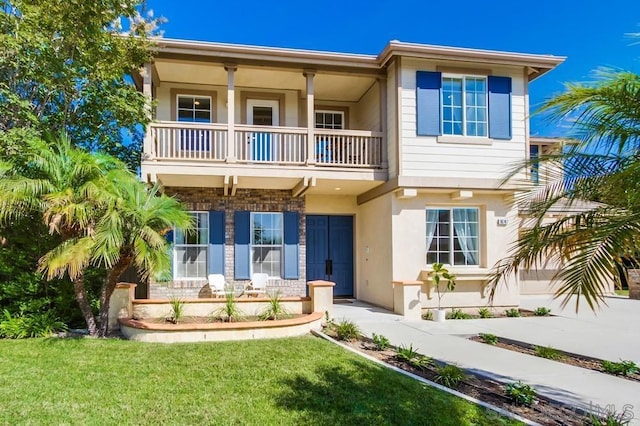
<point x="439" y="315"/>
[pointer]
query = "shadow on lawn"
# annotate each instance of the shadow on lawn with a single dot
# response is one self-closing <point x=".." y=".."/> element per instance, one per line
<point x="358" y="392"/>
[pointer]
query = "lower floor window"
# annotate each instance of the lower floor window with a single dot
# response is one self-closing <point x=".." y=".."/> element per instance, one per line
<point x="266" y="243"/>
<point x="191" y="249"/>
<point x="453" y="236"/>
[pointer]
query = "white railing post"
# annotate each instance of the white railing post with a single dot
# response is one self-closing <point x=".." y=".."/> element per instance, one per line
<point x="383" y="155"/>
<point x="231" y="112"/>
<point x="147" y="144"/>
<point x="311" y="139"/>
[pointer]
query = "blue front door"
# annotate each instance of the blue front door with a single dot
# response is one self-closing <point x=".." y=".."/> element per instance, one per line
<point x="330" y="251"/>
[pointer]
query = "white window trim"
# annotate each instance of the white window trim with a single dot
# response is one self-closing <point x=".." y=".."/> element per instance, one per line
<point x="251" y="245"/>
<point x="329" y="111"/>
<point x="178" y="95"/>
<point x="443" y="137"/>
<point x="175" y="253"/>
<point x="481" y="236"/>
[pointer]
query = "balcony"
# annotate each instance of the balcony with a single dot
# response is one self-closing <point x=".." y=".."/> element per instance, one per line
<point x="264" y="145"/>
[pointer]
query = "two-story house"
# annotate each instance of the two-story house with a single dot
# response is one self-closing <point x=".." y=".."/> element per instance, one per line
<point x="359" y="169"/>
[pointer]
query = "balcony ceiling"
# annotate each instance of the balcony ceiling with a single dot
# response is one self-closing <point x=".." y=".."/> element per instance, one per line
<point x="333" y="86"/>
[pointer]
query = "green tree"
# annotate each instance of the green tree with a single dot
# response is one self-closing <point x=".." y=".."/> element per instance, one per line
<point x="67" y="187"/>
<point x="63" y="67"/>
<point x="103" y="214"/>
<point x="132" y="233"/>
<point x="592" y="241"/>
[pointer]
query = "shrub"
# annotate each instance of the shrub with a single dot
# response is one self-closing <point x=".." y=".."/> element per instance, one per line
<point x="406" y="353"/>
<point x="347" y="330"/>
<point x="40" y="324"/>
<point x="488" y="338"/>
<point x="229" y="312"/>
<point x="548" y="352"/>
<point x="450" y="375"/>
<point x="380" y="342"/>
<point x="610" y="418"/>
<point x="422" y="362"/>
<point x="485" y="313"/>
<point x="458" y="314"/>
<point x="177" y="310"/>
<point x="428" y="315"/>
<point x="512" y="313"/>
<point x="542" y="311"/>
<point x="520" y="394"/>
<point x="622" y="368"/>
<point x="275" y="309"/>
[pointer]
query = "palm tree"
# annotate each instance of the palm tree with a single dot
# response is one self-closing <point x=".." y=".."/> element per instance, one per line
<point x="132" y="233"/>
<point x="103" y="213"/>
<point x="591" y="241"/>
<point x="67" y="186"/>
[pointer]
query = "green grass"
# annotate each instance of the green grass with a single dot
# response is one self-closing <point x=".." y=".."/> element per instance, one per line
<point x="621" y="292"/>
<point x="298" y="381"/>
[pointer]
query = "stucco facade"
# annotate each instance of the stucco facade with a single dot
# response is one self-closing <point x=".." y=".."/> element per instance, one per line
<point x="366" y="145"/>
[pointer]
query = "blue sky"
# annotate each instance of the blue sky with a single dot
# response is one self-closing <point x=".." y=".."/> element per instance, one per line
<point x="591" y="33"/>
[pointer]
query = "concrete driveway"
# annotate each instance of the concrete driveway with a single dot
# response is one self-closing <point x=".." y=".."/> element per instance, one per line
<point x="613" y="333"/>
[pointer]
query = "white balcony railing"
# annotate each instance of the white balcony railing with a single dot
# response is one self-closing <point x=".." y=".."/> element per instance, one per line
<point x="265" y="144"/>
<point x="188" y="141"/>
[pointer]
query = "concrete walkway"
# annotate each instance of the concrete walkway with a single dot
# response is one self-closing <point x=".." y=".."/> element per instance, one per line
<point x="613" y="334"/>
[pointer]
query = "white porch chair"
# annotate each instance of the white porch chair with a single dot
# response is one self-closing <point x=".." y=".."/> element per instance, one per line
<point x="217" y="284"/>
<point x="258" y="285"/>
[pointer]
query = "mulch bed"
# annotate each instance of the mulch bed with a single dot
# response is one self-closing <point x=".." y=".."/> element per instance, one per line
<point x="567" y="358"/>
<point x="497" y="314"/>
<point x="545" y="412"/>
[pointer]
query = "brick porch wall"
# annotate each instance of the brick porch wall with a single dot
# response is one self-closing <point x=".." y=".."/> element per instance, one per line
<point x="254" y="200"/>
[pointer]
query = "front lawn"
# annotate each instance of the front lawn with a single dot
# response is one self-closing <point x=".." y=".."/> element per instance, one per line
<point x="285" y="382"/>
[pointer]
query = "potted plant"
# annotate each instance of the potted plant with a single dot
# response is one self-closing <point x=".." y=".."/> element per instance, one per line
<point x="440" y="275"/>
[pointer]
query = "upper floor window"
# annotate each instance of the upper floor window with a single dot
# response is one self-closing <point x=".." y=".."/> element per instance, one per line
<point x="329" y="119"/>
<point x="453" y="236"/>
<point x="464" y="106"/>
<point x="194" y="109"/>
<point x="191" y="249"/>
<point x="266" y="243"/>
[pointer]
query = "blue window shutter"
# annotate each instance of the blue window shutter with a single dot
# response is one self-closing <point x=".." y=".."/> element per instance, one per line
<point x="499" y="107"/>
<point x="428" y="86"/>
<point x="242" y="245"/>
<point x="216" y="242"/>
<point x="291" y="245"/>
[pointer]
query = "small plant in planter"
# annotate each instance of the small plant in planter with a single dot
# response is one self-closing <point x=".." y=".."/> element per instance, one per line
<point x="458" y="314"/>
<point x="177" y="310"/>
<point x="622" y="368"/>
<point x="512" y="313"/>
<point x="520" y="394"/>
<point x="428" y="315"/>
<point x="229" y="312"/>
<point x="380" y="342"/>
<point x="548" y="352"/>
<point x="440" y="273"/>
<point x="485" y="313"/>
<point x="450" y="375"/>
<point x="488" y="338"/>
<point x="421" y="362"/>
<point x="542" y="312"/>
<point x="275" y="309"/>
<point x="346" y="330"/>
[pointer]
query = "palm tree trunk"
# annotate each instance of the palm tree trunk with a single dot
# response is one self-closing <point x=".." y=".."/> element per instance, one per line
<point x="113" y="276"/>
<point x="85" y="306"/>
